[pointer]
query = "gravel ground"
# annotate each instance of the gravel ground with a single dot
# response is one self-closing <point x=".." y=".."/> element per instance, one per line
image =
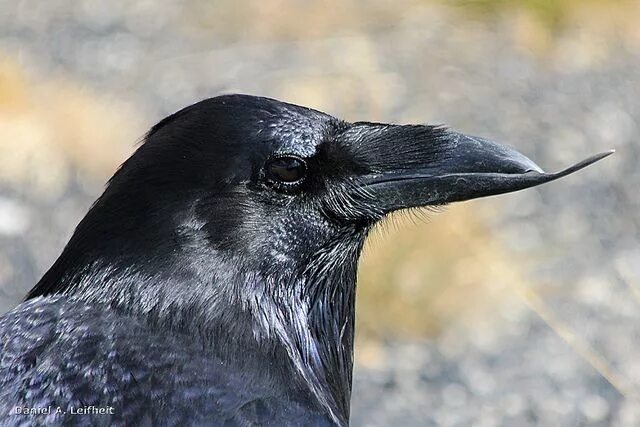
<point x="533" y="361"/>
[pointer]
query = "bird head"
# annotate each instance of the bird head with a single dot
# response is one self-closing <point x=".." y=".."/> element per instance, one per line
<point x="242" y="218"/>
<point x="275" y="183"/>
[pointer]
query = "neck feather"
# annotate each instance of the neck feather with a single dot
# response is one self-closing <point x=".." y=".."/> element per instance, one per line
<point x="300" y="322"/>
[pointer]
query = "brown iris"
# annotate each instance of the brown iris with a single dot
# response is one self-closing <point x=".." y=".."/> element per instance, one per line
<point x="286" y="169"/>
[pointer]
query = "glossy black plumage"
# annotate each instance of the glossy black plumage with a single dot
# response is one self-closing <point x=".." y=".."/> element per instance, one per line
<point x="213" y="283"/>
<point x="67" y="355"/>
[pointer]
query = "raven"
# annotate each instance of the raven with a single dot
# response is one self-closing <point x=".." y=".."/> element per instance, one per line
<point x="213" y="282"/>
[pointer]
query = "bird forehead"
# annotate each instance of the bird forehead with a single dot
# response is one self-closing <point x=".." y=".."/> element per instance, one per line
<point x="298" y="134"/>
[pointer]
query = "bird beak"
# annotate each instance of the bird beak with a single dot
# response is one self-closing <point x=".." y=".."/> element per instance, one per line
<point x="459" y="167"/>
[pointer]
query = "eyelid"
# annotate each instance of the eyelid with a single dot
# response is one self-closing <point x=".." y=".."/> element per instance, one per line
<point x="283" y="154"/>
<point x="276" y="157"/>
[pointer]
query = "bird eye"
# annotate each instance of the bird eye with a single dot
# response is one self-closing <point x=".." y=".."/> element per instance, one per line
<point x="286" y="169"/>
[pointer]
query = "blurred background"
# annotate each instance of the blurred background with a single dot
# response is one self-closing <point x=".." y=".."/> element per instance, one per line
<point x="517" y="310"/>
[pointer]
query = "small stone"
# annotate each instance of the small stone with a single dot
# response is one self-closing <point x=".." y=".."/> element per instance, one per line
<point x="14" y="217"/>
<point x="454" y="394"/>
<point x="594" y="407"/>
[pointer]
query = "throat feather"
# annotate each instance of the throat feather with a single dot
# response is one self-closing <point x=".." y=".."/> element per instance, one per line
<point x="314" y="319"/>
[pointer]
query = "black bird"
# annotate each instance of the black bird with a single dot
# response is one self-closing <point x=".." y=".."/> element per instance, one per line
<point x="213" y="283"/>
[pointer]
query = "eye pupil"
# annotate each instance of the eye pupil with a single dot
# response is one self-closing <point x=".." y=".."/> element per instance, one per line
<point x="286" y="169"/>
